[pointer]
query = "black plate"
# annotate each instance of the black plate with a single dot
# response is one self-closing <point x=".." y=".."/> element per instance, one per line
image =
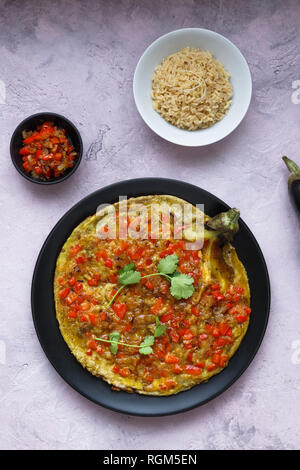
<point x="96" y="389"/>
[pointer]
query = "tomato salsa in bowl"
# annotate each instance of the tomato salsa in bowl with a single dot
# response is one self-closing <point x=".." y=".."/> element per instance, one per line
<point x="46" y="148"/>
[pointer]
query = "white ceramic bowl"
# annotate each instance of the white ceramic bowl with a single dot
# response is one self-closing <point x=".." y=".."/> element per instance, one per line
<point x="226" y="52"/>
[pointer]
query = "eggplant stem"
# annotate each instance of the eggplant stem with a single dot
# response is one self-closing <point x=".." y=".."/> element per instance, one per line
<point x="293" y="169"/>
<point x="226" y="223"/>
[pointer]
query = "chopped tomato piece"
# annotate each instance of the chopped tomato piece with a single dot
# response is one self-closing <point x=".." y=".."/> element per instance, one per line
<point x="124" y="372"/>
<point x="223" y="360"/>
<point x="241" y="318"/>
<point x="211" y="367"/>
<point x="25" y="151"/>
<point x="122" y="248"/>
<point x="195" y="311"/>
<point x="182" y="331"/>
<point x="166" y="317"/>
<point x="177" y="369"/>
<point x="78" y="287"/>
<point x="127" y="327"/>
<point x="190" y="356"/>
<point x="193" y="370"/>
<point x="169" y="383"/>
<point x="92" y="344"/>
<point x="113" y="278"/>
<point x="135" y="254"/>
<point x="148" y="377"/>
<point x="84" y="306"/>
<point x="200" y="364"/>
<point x="74" y="250"/>
<point x="72" y="281"/>
<point x="120" y="310"/>
<point x="171" y="359"/>
<point x="236" y="297"/>
<point x="159" y="352"/>
<point x="27" y="166"/>
<point x="215" y="332"/>
<point x="102" y="316"/>
<point x="228" y="305"/>
<point x="168" y="251"/>
<point x="94" y="281"/>
<point x="157" y="306"/>
<point x="38" y="170"/>
<point x="223" y="328"/>
<point x="229" y="333"/>
<point x="215" y="287"/>
<point x="202" y="337"/>
<point x="218" y="296"/>
<point x="70" y="298"/>
<point x="92" y="318"/>
<point x="101" y="254"/>
<point x="149" y="285"/>
<point x="233" y="310"/>
<point x="108" y="263"/>
<point x="72" y="314"/>
<point x="216" y="358"/>
<point x="84" y="318"/>
<point x="164" y="339"/>
<point x="220" y="341"/>
<point x="30" y="140"/>
<point x="174" y="336"/>
<point x="238" y="289"/>
<point x="188" y="335"/>
<point x="61" y="281"/>
<point x="63" y="293"/>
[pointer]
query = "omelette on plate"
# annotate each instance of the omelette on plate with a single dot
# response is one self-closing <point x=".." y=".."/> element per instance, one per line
<point x="155" y="313"/>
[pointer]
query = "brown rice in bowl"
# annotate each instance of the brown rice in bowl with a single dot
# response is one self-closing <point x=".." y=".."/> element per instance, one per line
<point x="191" y="89"/>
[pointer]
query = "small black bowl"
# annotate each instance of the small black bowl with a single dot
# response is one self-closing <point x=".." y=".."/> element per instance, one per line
<point x="30" y="124"/>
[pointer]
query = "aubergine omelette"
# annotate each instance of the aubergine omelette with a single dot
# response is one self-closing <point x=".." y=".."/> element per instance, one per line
<point x="155" y="315"/>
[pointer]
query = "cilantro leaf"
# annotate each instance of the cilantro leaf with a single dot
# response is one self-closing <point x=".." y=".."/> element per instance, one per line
<point x="148" y="341"/>
<point x="146" y="350"/>
<point x="181" y="286"/>
<point x="128" y="267"/>
<point x="160" y="329"/>
<point x="114" y="338"/>
<point x="129" y="277"/>
<point x="168" y="264"/>
<point x="145" y="346"/>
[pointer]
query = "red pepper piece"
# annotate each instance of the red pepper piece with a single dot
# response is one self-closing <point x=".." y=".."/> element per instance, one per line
<point x="120" y="310"/>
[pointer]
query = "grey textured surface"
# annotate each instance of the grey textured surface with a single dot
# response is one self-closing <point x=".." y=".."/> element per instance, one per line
<point x="78" y="58"/>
